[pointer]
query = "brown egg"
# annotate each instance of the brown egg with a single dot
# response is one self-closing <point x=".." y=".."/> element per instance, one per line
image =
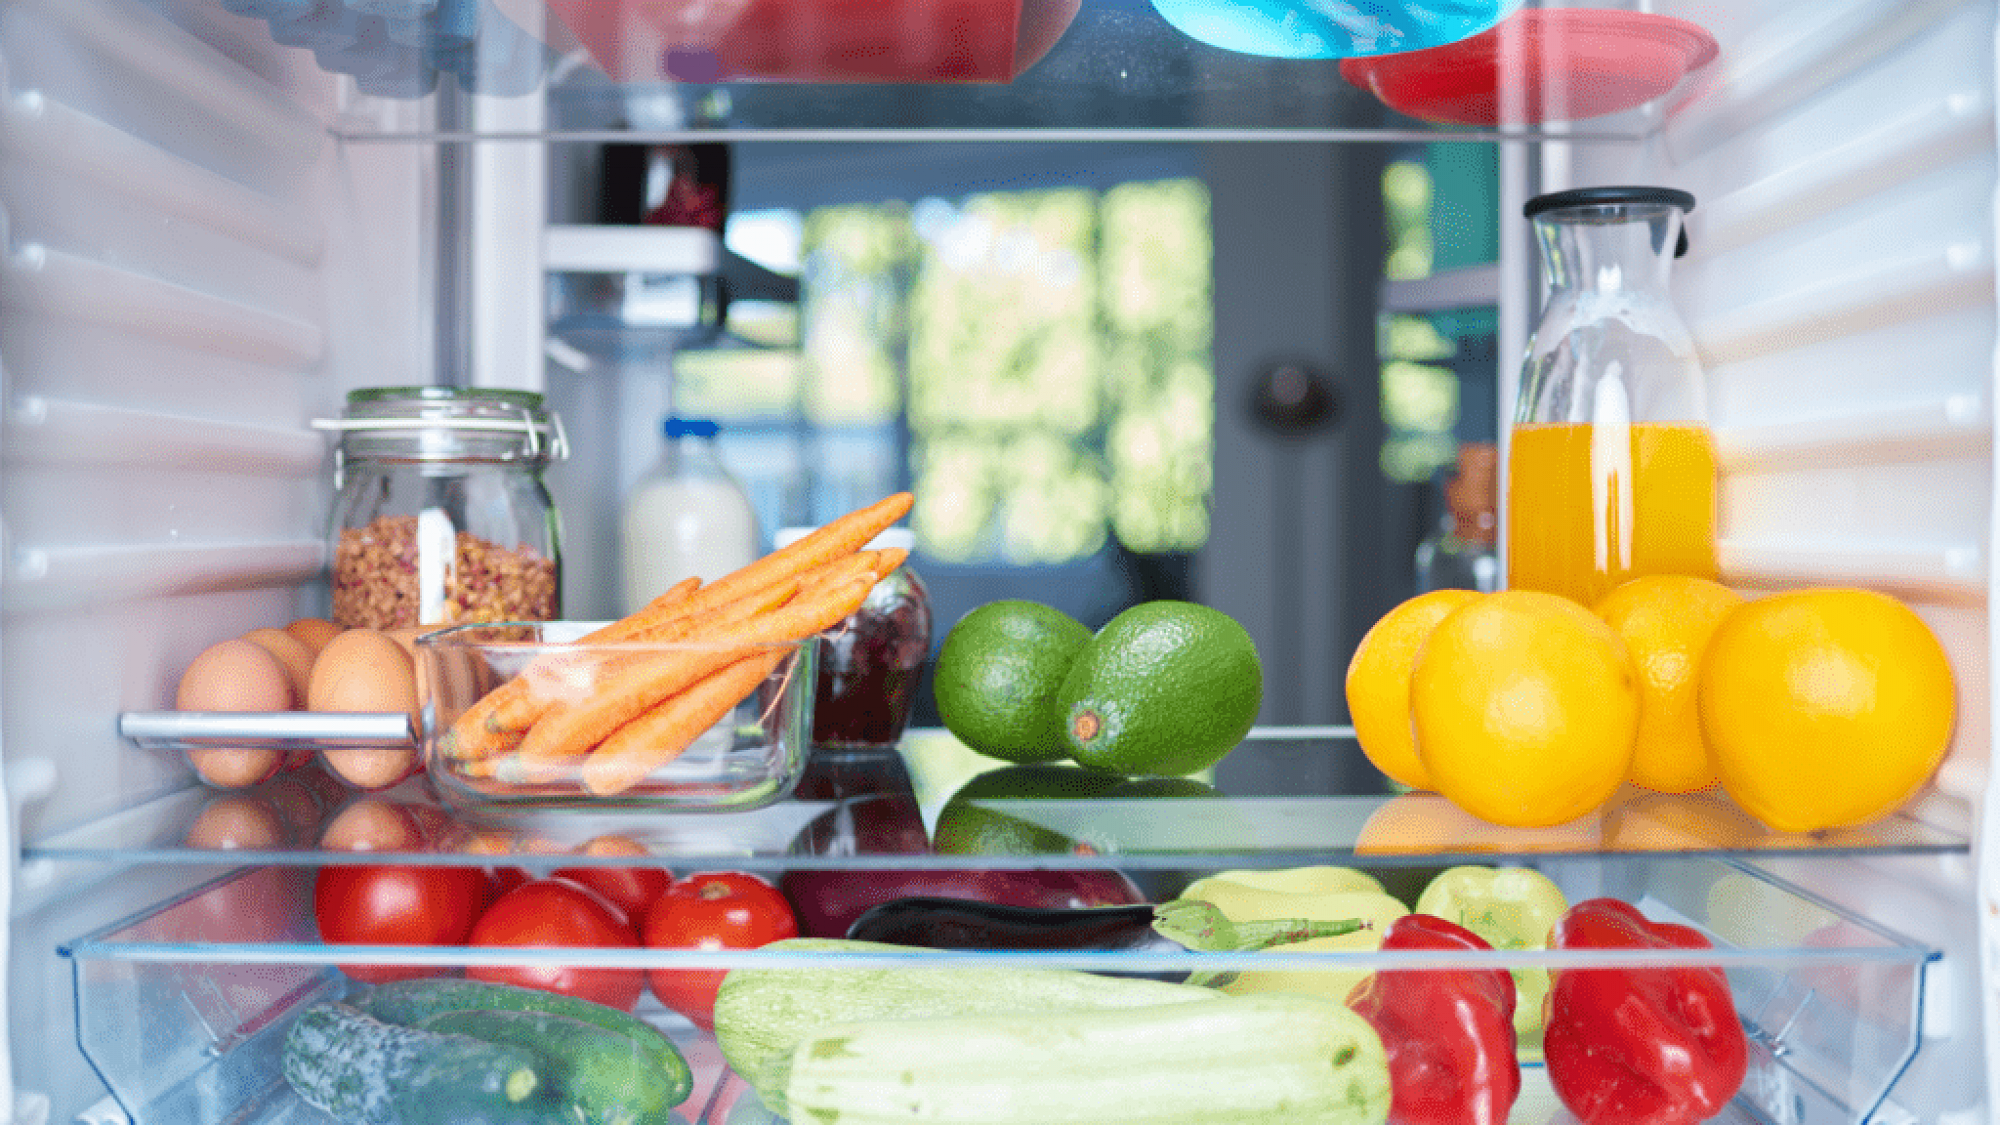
<point x="365" y="670"/>
<point x="408" y="639"/>
<point x="234" y="675"/>
<point x="297" y="657"/>
<point x="292" y="652"/>
<point x="370" y="825"/>
<point x="234" y="821"/>
<point x="313" y="631"/>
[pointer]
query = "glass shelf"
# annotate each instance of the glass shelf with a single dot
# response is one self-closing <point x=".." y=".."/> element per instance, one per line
<point x="932" y="805"/>
<point x="1831" y="1002"/>
<point x="1117" y="70"/>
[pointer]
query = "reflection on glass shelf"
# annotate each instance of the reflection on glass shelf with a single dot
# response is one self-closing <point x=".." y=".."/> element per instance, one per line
<point x="927" y="807"/>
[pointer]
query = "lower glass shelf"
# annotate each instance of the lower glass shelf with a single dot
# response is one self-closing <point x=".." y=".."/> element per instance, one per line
<point x="184" y="1009"/>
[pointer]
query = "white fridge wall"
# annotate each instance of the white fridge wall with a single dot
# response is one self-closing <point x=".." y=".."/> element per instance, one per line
<point x="1839" y="287"/>
<point x="180" y="239"/>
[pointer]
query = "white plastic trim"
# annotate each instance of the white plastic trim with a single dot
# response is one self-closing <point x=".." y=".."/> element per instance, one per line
<point x="38" y="129"/>
<point x="1802" y="58"/>
<point x="1933" y="429"/>
<point x="41" y="577"/>
<point x="1938" y="133"/>
<point x="140" y="42"/>
<point x="606" y="249"/>
<point x="1464" y="288"/>
<point x="68" y="285"/>
<point x="1954" y="572"/>
<point x="51" y="430"/>
<point x="1917" y="285"/>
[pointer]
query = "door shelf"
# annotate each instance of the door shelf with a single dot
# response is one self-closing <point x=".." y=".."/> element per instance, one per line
<point x="1831" y="1002"/>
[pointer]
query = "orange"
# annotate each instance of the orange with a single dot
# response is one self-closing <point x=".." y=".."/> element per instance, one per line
<point x="1666" y="621"/>
<point x="1526" y="709"/>
<point x="1378" y="683"/>
<point x="1825" y="708"/>
<point x="1427" y="824"/>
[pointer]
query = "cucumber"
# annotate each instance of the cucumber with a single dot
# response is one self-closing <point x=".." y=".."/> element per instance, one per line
<point x="410" y="1002"/>
<point x="761" y="1015"/>
<point x="1230" y="1060"/>
<point x="591" y="1076"/>
<point x="367" y="1072"/>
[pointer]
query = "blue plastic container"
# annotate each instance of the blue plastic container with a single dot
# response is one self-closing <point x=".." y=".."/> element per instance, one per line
<point x="1332" y="29"/>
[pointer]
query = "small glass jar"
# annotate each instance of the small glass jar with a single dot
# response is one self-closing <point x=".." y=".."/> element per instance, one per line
<point x="869" y="665"/>
<point x="1460" y="553"/>
<point x="440" y="513"/>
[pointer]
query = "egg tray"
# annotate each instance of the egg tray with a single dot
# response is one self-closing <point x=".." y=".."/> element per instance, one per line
<point x="284" y="730"/>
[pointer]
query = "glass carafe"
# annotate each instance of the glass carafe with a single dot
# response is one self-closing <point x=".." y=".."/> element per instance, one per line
<point x="1611" y="466"/>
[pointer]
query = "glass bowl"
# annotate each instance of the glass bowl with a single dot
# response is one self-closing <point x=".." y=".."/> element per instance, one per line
<point x="532" y="715"/>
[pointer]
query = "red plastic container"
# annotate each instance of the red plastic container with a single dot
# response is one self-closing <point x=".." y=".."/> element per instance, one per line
<point x="816" y="40"/>
<point x="1538" y="65"/>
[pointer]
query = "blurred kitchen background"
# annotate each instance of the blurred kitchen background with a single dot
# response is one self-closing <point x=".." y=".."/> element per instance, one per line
<point x="1235" y="373"/>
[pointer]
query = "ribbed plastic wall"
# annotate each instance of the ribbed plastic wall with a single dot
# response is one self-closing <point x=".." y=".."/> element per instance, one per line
<point x="1840" y="290"/>
<point x="180" y="240"/>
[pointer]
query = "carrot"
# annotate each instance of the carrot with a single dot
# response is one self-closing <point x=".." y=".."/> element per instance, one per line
<point x="660" y="735"/>
<point x="832" y="540"/>
<point x="495" y="724"/>
<point x="671" y="602"/>
<point x="570" y="728"/>
<point x="571" y="681"/>
<point x="484" y="729"/>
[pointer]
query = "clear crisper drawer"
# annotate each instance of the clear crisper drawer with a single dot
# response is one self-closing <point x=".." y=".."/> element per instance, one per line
<point x="184" y="1010"/>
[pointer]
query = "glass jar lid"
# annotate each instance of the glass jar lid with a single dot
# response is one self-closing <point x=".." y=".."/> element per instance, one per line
<point x="448" y="424"/>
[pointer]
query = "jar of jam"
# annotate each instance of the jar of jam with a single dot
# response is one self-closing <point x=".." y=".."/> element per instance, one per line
<point x="869" y="664"/>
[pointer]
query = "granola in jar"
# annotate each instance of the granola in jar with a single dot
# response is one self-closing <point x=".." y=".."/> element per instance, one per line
<point x="378" y="579"/>
<point x="441" y="516"/>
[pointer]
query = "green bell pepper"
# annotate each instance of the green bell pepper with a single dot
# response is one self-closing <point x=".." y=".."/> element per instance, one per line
<point x="1512" y="908"/>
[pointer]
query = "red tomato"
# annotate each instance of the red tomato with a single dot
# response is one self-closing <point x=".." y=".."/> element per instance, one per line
<point x="630" y="889"/>
<point x="390" y="904"/>
<point x="713" y="910"/>
<point x="557" y="912"/>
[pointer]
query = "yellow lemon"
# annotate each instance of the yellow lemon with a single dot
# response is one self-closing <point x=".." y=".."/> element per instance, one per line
<point x="1825" y="708"/>
<point x="1378" y="683"/>
<point x="1666" y="621"/>
<point x="1525" y="707"/>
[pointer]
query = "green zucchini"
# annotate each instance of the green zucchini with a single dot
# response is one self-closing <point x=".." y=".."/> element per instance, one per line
<point x="366" y="1072"/>
<point x="410" y="1002"/>
<point x="1231" y="1060"/>
<point x="762" y="1014"/>
<point x="591" y="1076"/>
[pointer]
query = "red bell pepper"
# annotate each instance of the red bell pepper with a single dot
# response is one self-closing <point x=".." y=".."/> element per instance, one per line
<point x="1449" y="1033"/>
<point x="1640" y="1046"/>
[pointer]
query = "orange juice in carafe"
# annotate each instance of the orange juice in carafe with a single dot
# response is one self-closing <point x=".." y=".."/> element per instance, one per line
<point x="1611" y="472"/>
<point x="1591" y="505"/>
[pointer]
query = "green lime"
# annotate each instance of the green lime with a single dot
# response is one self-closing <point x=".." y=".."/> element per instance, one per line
<point x="997" y="674"/>
<point x="1165" y="689"/>
<point x="965" y="826"/>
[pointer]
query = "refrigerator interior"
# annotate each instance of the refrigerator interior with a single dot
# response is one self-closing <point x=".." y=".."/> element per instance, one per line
<point x="207" y="238"/>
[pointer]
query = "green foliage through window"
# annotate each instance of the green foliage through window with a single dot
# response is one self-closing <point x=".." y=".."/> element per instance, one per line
<point x="1044" y="358"/>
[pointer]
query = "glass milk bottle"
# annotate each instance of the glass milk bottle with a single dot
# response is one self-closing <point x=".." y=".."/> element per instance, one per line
<point x="1611" y="467"/>
<point x="687" y="517"/>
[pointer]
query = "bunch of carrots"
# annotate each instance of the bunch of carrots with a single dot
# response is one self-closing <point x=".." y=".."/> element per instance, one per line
<point x="617" y="708"/>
